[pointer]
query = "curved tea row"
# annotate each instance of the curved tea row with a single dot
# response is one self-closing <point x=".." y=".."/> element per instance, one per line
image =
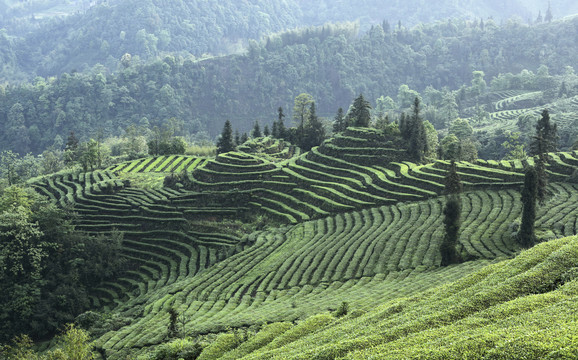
<point x="300" y="270"/>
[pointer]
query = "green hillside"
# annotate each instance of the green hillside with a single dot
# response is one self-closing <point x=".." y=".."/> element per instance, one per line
<point x="273" y="235"/>
<point x="382" y="188"/>
<point x="523" y="308"/>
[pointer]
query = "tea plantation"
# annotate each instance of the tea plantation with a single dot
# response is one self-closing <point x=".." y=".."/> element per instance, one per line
<point x="270" y="235"/>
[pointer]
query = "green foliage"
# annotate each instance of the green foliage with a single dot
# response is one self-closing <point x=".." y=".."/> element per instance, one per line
<point x="46" y="267"/>
<point x="452" y="214"/>
<point x="360" y="112"/>
<point x="418" y="143"/>
<point x="342" y="310"/>
<point x="222" y="344"/>
<point x="453" y="183"/>
<point x="516" y="149"/>
<point x="185" y="349"/>
<point x="526" y="235"/>
<point x="339" y="122"/>
<point x="164" y="142"/>
<point x="462" y="129"/>
<point x="73" y="345"/>
<point x="314" y="131"/>
<point x="256" y="130"/>
<point x="546" y="138"/>
<point x="149" y="94"/>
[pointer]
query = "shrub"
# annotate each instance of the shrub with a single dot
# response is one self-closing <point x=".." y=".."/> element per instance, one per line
<point x="185" y="349"/>
<point x="342" y="310"/>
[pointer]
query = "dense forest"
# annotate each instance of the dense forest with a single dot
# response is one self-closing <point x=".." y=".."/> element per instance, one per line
<point x="331" y="63"/>
<point x="50" y="37"/>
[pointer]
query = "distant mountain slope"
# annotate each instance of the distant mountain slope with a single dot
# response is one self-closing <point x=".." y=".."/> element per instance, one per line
<point x="148" y="28"/>
<point x="50" y="43"/>
<point x="329" y="63"/>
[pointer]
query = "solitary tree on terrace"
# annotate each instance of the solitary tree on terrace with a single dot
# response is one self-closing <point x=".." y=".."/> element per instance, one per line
<point x="526" y="235"/>
<point x="452" y="214"/>
<point x="360" y="113"/>
<point x="225" y="142"/>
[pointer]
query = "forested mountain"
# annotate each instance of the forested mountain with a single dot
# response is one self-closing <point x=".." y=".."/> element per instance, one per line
<point x="50" y="37"/>
<point x="331" y="63"/>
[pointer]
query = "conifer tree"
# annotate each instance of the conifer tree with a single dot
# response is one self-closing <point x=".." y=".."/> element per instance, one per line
<point x="244" y="138"/>
<point x="417" y="135"/>
<point x="266" y="131"/>
<point x="526" y="234"/>
<point x="548" y="17"/>
<point x="404" y="127"/>
<point x="281" y="126"/>
<point x="539" y="19"/>
<point x="544" y="141"/>
<point x="453" y="183"/>
<point x="339" y="122"/>
<point x="546" y="138"/>
<point x="237" y="138"/>
<point x="452" y="214"/>
<point x="315" y="133"/>
<point x="256" y="130"/>
<point x="360" y="113"/>
<point x="225" y="142"/>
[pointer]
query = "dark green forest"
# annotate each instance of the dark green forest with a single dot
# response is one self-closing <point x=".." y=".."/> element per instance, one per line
<point x="331" y="63"/>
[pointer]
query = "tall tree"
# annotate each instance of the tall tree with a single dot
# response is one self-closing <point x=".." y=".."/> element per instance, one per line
<point x="256" y="130"/>
<point x="526" y="234"/>
<point x="452" y="213"/>
<point x="453" y="183"/>
<point x="361" y="112"/>
<point x="301" y="110"/>
<point x="225" y="142"/>
<point x="548" y="17"/>
<point x="71" y="149"/>
<point x="315" y="133"/>
<point x="544" y="141"/>
<point x="417" y="140"/>
<point x="280" y="124"/>
<point x="339" y="122"/>
<point x="546" y="138"/>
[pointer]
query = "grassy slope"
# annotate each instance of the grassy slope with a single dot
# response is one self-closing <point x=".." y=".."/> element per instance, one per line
<point x="524" y="308"/>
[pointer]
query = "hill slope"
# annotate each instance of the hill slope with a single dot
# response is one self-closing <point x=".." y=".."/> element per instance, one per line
<point x="342" y="241"/>
<point x="520" y="308"/>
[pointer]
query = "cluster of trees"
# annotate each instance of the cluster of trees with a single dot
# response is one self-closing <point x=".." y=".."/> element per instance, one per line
<point x="46" y="267"/>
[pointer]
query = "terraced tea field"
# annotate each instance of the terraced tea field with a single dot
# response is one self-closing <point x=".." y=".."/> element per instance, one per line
<point x="163" y="164"/>
<point x="360" y="226"/>
<point x="159" y="239"/>
<point x="363" y="257"/>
